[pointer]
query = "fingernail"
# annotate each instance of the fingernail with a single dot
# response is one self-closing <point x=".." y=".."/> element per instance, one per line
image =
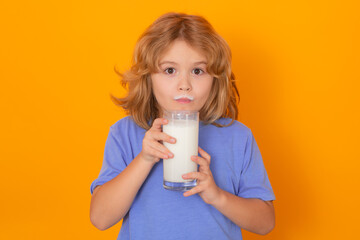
<point x="172" y="140"/>
<point x="184" y="176"/>
<point x="170" y="155"/>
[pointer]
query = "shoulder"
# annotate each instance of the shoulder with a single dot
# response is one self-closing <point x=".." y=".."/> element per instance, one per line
<point x="237" y="128"/>
<point x="125" y="125"/>
<point x="123" y="122"/>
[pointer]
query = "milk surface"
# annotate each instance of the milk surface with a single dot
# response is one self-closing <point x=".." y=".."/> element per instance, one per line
<point x="187" y="135"/>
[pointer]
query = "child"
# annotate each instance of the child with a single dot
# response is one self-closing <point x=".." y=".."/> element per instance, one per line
<point x="181" y="55"/>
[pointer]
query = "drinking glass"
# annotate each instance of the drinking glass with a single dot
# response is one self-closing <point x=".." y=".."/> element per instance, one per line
<point x="184" y="127"/>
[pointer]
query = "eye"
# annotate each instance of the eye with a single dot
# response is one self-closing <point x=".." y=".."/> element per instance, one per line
<point x="198" y="71"/>
<point x="170" y="70"/>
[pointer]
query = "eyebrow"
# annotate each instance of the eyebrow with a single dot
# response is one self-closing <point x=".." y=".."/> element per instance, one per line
<point x="195" y="63"/>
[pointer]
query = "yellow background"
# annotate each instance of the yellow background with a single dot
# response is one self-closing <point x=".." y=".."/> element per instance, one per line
<point x="297" y="63"/>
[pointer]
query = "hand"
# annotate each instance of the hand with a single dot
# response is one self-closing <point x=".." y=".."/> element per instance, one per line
<point x="152" y="148"/>
<point x="206" y="186"/>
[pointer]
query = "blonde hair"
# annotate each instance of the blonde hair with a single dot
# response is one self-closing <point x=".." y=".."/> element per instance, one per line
<point x="140" y="102"/>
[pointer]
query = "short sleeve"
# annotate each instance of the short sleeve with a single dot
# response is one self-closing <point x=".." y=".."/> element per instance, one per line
<point x="113" y="161"/>
<point x="254" y="181"/>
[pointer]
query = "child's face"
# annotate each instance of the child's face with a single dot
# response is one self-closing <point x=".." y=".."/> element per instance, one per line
<point x="182" y="83"/>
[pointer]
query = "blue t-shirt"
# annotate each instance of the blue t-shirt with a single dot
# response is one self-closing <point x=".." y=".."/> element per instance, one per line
<point x="157" y="213"/>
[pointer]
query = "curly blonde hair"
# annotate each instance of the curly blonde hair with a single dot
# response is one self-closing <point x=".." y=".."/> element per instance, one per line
<point x="140" y="102"/>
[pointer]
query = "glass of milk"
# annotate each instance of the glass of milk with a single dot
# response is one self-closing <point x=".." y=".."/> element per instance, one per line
<point x="184" y="127"/>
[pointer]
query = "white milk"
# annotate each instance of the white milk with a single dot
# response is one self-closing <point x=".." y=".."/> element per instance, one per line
<point x="186" y="134"/>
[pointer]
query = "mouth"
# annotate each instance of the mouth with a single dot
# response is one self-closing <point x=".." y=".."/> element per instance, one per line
<point x="184" y="99"/>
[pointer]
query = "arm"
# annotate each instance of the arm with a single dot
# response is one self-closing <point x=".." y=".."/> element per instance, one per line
<point x="111" y="201"/>
<point x="251" y="214"/>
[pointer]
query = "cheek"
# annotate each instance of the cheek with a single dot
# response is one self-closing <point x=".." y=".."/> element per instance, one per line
<point x="160" y="90"/>
<point x="206" y="89"/>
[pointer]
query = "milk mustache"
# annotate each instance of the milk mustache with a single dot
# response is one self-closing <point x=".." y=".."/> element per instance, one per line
<point x="186" y="131"/>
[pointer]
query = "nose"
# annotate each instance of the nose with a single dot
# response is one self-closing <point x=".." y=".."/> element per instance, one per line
<point x="184" y="88"/>
<point x="184" y="84"/>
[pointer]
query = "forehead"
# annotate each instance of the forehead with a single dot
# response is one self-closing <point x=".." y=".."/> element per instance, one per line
<point x="180" y="51"/>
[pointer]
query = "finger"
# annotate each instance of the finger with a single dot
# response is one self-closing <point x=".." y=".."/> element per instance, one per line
<point x="193" y="191"/>
<point x="204" y="164"/>
<point x="195" y="175"/>
<point x="156" y="153"/>
<point x="162" y="149"/>
<point x="161" y="136"/>
<point x="204" y="154"/>
<point x="157" y="124"/>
